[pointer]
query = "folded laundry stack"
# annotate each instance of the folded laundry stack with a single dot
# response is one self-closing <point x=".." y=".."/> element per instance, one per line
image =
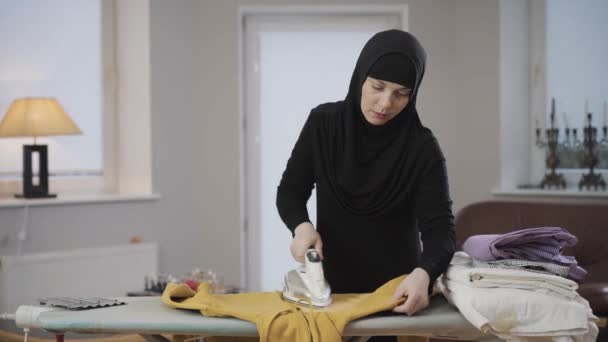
<point x="543" y="245"/>
<point x="519" y="286"/>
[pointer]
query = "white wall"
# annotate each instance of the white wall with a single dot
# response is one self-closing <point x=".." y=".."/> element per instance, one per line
<point x="195" y="131"/>
<point x="459" y="96"/>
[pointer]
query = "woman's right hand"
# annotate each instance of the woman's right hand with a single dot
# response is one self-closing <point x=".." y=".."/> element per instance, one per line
<point x="305" y="237"/>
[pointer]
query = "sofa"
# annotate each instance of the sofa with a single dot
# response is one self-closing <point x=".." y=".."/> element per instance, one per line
<point x="589" y="222"/>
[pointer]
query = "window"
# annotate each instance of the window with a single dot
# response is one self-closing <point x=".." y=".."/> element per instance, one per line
<point x="44" y="59"/>
<point x="121" y="38"/>
<point x="536" y="66"/>
<point x="577" y="72"/>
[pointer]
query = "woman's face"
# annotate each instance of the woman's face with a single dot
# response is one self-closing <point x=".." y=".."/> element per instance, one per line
<point x="381" y="100"/>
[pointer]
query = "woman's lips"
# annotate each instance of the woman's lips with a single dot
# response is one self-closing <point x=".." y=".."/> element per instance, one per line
<point x="379" y="115"/>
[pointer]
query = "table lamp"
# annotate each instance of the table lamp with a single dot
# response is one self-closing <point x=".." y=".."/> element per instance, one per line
<point x="36" y="117"/>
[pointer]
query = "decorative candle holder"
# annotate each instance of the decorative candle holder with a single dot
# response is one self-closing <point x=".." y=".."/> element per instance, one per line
<point x="552" y="159"/>
<point x="590" y="157"/>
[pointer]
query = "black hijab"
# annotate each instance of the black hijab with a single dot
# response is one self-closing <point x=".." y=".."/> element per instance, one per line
<point x="374" y="169"/>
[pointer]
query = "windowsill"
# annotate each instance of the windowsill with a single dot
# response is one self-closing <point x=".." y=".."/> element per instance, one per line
<point x="8" y="202"/>
<point x="550" y="193"/>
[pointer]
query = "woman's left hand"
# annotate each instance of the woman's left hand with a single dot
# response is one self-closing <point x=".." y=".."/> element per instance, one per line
<point x="415" y="288"/>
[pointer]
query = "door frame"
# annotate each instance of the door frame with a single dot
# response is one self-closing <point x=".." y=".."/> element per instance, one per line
<point x="249" y="236"/>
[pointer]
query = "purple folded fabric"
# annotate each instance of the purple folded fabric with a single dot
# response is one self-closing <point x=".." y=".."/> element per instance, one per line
<point x="543" y="244"/>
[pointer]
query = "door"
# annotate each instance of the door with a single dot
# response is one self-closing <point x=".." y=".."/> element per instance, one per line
<point x="291" y="63"/>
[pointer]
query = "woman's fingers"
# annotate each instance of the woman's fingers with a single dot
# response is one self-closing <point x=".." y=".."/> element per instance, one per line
<point x="413" y="288"/>
<point x="296" y="251"/>
<point x="305" y="237"/>
<point x="410" y="306"/>
<point x="300" y="244"/>
<point x="399" y="293"/>
<point x="319" y="246"/>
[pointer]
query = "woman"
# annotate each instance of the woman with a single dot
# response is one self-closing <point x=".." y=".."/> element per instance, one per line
<point x="380" y="177"/>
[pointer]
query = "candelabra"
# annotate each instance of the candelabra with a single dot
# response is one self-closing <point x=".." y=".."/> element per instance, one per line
<point x="552" y="159"/>
<point x="571" y="141"/>
<point x="590" y="157"/>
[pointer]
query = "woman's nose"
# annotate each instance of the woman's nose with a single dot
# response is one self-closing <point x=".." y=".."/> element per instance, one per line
<point x="385" y="101"/>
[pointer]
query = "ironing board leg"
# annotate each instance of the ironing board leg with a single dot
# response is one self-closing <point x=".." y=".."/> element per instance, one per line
<point x="358" y="339"/>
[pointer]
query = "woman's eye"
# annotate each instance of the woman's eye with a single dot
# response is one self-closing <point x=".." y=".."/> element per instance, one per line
<point x="377" y="87"/>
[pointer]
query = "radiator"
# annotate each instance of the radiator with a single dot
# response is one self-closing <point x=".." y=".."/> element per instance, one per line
<point x="90" y="272"/>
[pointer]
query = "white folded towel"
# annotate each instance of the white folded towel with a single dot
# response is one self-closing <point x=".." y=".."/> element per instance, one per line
<point x="518" y="305"/>
<point x="522" y="315"/>
<point x="462" y="270"/>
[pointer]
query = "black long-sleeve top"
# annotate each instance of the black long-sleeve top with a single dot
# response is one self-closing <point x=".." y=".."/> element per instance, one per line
<point x="362" y="252"/>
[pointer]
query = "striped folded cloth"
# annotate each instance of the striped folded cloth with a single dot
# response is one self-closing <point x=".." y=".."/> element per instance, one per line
<point x="543" y="244"/>
<point x="462" y="269"/>
<point x="526" y="265"/>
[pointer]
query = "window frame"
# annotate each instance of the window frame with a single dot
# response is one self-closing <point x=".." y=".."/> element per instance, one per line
<point x="522" y="101"/>
<point x="126" y="131"/>
<point x="538" y="104"/>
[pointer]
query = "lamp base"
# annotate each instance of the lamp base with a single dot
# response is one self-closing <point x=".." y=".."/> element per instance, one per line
<point x="35" y="195"/>
<point x="40" y="188"/>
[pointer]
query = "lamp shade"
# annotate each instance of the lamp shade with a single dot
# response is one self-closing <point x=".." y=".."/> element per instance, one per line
<point x="37" y="117"/>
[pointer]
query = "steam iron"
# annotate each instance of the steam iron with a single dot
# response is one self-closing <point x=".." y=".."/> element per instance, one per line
<point x="306" y="285"/>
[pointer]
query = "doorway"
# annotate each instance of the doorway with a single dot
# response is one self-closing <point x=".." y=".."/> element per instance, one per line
<point x="292" y="61"/>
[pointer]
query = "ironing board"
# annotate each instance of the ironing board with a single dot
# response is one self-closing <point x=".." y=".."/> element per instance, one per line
<point x="148" y="317"/>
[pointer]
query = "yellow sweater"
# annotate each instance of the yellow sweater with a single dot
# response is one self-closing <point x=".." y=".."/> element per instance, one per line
<point x="279" y="320"/>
